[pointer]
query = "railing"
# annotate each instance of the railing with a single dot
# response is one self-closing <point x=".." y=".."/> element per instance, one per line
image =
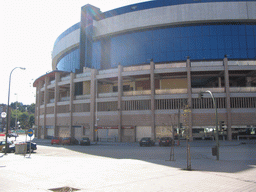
<point x="82" y="97"/>
<point x="241" y="62"/>
<point x="136" y="68"/>
<point x="65" y="78"/>
<point x="52" y="100"/>
<point x="114" y="94"/>
<point x="133" y="93"/>
<point x="170" y="91"/>
<point x="108" y="71"/>
<point x="52" y="82"/>
<point x="170" y="65"/>
<point x="212" y="89"/>
<point x="80" y="75"/>
<point x="64" y="98"/>
<point x="206" y="63"/>
<point x="242" y="89"/>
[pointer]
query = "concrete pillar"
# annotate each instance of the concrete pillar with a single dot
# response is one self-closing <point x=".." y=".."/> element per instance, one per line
<point x="152" y="85"/>
<point x="71" y="99"/>
<point x="45" y="104"/>
<point x="219" y="84"/>
<point x="189" y="103"/>
<point x="93" y="105"/>
<point x="56" y="100"/>
<point x="226" y="77"/>
<point x="39" y="101"/>
<point x="120" y="94"/>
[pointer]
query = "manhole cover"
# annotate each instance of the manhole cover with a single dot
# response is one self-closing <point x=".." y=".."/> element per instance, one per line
<point x="64" y="189"/>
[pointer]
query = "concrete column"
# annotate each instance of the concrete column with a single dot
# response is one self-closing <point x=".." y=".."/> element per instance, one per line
<point x="56" y="100"/>
<point x="93" y="105"/>
<point x="45" y="104"/>
<point x="248" y="81"/>
<point x="39" y="101"/>
<point x="227" y="90"/>
<point x="119" y="108"/>
<point x="152" y="85"/>
<point x="71" y="99"/>
<point x="219" y="84"/>
<point x="188" y="64"/>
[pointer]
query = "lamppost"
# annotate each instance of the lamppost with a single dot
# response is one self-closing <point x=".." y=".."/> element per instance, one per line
<point x="7" y="125"/>
<point x="200" y="95"/>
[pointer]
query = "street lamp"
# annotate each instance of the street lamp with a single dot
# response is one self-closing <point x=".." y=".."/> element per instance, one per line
<point x="7" y="125"/>
<point x="200" y="95"/>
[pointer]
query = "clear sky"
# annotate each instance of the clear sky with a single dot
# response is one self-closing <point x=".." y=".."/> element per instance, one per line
<point x="29" y="30"/>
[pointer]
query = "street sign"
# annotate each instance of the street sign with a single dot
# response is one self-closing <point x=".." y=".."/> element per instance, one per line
<point x="30" y="132"/>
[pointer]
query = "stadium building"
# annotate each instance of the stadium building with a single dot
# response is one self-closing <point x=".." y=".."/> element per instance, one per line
<point x="138" y="71"/>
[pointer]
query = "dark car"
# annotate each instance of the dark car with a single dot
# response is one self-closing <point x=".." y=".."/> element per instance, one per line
<point x="66" y="141"/>
<point x="56" y="140"/>
<point x="166" y="141"/>
<point x="147" y="141"/>
<point x="85" y="141"/>
<point x="33" y="146"/>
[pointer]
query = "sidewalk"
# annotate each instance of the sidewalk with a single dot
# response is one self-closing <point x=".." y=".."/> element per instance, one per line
<point x="87" y="172"/>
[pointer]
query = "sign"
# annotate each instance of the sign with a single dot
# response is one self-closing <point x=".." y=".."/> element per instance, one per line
<point x="3" y="114"/>
<point x="30" y="132"/>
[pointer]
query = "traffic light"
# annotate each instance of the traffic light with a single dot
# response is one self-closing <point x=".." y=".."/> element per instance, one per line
<point x="200" y="95"/>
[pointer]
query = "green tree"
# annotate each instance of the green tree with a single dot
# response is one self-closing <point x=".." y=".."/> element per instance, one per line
<point x="31" y="120"/>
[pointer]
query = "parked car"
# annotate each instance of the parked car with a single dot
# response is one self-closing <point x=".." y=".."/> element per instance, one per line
<point x="85" y="141"/>
<point x="33" y="146"/>
<point x="56" y="140"/>
<point x="12" y="135"/>
<point x="2" y="144"/>
<point x="74" y="141"/>
<point x="66" y="141"/>
<point x="147" y="141"/>
<point x="166" y="141"/>
<point x="11" y="148"/>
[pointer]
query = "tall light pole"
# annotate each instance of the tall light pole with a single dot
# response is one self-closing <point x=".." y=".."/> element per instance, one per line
<point x="216" y="121"/>
<point x="7" y="125"/>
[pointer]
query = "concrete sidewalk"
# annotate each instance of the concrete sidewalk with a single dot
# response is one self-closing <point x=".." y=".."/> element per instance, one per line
<point x="87" y="172"/>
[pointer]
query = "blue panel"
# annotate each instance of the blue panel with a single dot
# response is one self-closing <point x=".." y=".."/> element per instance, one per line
<point x="251" y="53"/>
<point x="70" y="62"/>
<point x="205" y="30"/>
<point x="236" y="54"/>
<point x="242" y="30"/>
<point x="243" y="53"/>
<point x="249" y="30"/>
<point x="96" y="55"/>
<point x="214" y="54"/>
<point x="221" y="43"/>
<point x="227" y="30"/>
<point x="184" y="44"/>
<point x="250" y="42"/>
<point x="235" y="30"/>
<point x="235" y="42"/>
<point x="228" y="42"/>
<point x="242" y="42"/>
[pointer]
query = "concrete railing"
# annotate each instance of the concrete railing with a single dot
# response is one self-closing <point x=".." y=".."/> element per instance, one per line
<point x="212" y="89"/>
<point x="242" y="89"/>
<point x="80" y="75"/>
<point x="82" y="97"/>
<point x="108" y="71"/>
<point x="65" y="78"/>
<point x="170" y="65"/>
<point x="133" y="93"/>
<point x="241" y="62"/>
<point x="115" y="94"/>
<point x="136" y="68"/>
<point x="170" y="91"/>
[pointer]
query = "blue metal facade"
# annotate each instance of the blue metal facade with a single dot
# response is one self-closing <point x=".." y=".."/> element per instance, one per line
<point x="203" y="42"/>
<point x="70" y="62"/>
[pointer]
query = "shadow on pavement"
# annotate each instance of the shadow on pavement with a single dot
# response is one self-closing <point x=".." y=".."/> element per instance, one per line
<point x="234" y="156"/>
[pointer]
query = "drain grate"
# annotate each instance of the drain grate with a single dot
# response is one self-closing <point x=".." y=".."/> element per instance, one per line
<point x="64" y="189"/>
